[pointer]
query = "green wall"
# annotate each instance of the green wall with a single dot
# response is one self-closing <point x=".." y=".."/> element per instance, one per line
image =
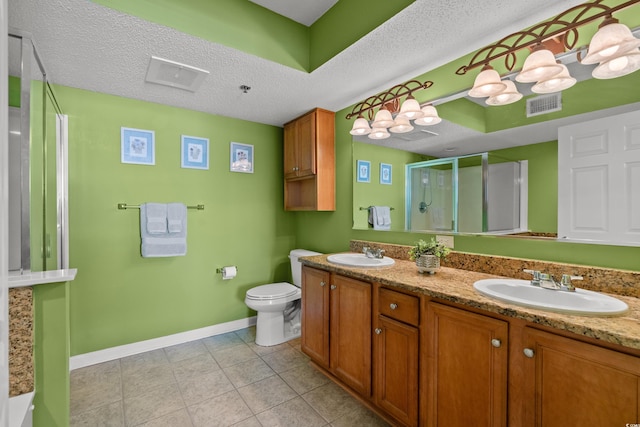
<point x="51" y="353"/>
<point x="119" y="297"/>
<point x="374" y="193"/>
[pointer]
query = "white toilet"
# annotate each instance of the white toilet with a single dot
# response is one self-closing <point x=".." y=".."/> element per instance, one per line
<point x="278" y="305"/>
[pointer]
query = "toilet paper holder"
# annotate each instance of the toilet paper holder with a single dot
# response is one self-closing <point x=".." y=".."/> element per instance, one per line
<point x="228" y="272"/>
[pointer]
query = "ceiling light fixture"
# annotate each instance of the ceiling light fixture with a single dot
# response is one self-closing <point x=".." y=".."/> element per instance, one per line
<point x="613" y="46"/>
<point x="388" y="104"/>
<point x="507" y="96"/>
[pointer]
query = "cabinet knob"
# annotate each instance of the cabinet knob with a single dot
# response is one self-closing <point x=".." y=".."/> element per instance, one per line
<point x="322" y="283"/>
<point x="393" y="306"/>
<point x="496" y="343"/>
<point x="529" y="352"/>
<point x="378" y="331"/>
<point x="333" y="286"/>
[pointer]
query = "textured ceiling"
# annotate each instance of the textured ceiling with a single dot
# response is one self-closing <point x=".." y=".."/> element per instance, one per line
<point x="305" y="12"/>
<point x="88" y="46"/>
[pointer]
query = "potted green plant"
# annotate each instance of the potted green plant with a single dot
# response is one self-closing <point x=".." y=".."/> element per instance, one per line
<point x="427" y="255"/>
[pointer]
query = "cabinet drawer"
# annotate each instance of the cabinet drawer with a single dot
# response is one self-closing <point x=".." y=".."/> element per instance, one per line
<point x="399" y="306"/>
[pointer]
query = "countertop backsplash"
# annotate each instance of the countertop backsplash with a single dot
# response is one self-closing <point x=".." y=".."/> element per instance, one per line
<point x="612" y="281"/>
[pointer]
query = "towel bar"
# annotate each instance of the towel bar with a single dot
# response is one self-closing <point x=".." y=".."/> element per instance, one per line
<point x="366" y="209"/>
<point x="126" y="206"/>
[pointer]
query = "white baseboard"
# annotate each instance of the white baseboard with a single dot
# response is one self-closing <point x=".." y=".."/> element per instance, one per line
<point x="113" y="353"/>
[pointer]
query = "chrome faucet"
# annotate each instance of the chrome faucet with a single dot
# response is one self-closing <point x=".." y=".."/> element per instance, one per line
<point x="547" y="281"/>
<point x="373" y="252"/>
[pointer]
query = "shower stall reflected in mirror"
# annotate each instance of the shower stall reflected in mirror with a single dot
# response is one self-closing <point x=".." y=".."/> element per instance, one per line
<point x="467" y="194"/>
<point x="37" y="164"/>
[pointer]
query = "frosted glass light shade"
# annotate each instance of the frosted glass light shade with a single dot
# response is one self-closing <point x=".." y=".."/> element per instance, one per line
<point x="379" y="133"/>
<point x="621" y="65"/>
<point x="410" y="109"/>
<point x="429" y="118"/>
<point x="401" y="125"/>
<point x="507" y="96"/>
<point x="487" y="83"/>
<point x="556" y="83"/>
<point x="382" y="119"/>
<point x="610" y="40"/>
<point x="540" y="65"/>
<point x="360" y="127"/>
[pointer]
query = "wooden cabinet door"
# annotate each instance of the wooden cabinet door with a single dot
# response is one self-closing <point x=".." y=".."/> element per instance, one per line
<point x="306" y="145"/>
<point x="290" y="155"/>
<point x="396" y="369"/>
<point x="467" y="368"/>
<point x="572" y="383"/>
<point x="351" y="332"/>
<point x="315" y="315"/>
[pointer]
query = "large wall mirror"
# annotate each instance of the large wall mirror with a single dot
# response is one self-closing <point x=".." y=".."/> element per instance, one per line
<point x="507" y="133"/>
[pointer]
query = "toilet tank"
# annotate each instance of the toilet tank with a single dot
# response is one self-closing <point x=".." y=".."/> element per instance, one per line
<point x="296" y="266"/>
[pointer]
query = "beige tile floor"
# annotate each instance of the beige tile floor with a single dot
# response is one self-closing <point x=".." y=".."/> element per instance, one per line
<point x="223" y="380"/>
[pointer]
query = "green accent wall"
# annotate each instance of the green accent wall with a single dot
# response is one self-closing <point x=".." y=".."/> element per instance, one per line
<point x="119" y="297"/>
<point x="374" y="193"/>
<point x="51" y="335"/>
<point x="347" y="22"/>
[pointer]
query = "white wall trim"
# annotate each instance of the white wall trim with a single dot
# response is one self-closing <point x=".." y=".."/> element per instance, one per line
<point x="113" y="353"/>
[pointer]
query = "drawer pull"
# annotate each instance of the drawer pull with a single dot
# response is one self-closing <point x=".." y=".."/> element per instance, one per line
<point x="529" y="352"/>
<point x="393" y="306"/>
<point x="496" y="343"/>
<point x="333" y="287"/>
<point x="378" y="331"/>
<point x="322" y="283"/>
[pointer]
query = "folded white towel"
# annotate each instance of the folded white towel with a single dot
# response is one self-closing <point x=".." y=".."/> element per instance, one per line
<point x="156" y="217"/>
<point x="172" y="241"/>
<point x="380" y="217"/>
<point x="176" y="217"/>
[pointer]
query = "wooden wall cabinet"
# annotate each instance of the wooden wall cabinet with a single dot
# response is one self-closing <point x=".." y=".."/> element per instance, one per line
<point x="336" y="326"/>
<point x="309" y="162"/>
<point x="572" y="383"/>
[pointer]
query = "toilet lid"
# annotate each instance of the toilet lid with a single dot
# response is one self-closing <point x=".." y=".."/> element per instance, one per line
<point x="272" y="291"/>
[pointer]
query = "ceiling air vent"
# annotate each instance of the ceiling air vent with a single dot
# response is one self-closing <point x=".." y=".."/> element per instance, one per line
<point x="175" y="74"/>
<point x="544" y="104"/>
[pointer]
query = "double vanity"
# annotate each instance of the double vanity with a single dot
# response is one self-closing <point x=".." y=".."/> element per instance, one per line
<point x="433" y="350"/>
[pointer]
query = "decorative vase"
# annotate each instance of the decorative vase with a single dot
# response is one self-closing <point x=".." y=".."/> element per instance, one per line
<point x="428" y="263"/>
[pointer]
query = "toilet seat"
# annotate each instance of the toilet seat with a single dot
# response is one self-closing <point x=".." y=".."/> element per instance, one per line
<point x="272" y="291"/>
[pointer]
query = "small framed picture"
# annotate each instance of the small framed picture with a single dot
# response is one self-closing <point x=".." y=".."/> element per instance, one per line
<point x="364" y="171"/>
<point x="137" y="146"/>
<point x="195" y="152"/>
<point x="241" y="158"/>
<point x="385" y="173"/>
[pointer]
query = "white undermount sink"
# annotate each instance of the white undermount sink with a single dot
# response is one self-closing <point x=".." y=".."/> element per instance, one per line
<point x="360" y="260"/>
<point x="521" y="292"/>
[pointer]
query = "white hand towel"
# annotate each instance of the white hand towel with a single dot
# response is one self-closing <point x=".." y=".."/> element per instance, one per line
<point x="381" y="217"/>
<point x="176" y="216"/>
<point x="163" y="244"/>
<point x="156" y="217"/>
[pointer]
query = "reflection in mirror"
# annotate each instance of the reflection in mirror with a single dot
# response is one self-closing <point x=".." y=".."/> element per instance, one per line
<point x="467" y="195"/>
<point x="508" y="134"/>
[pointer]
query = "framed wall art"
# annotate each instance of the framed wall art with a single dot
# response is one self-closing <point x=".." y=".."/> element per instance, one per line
<point x="241" y="158"/>
<point x="137" y="146"/>
<point x="385" y="173"/>
<point x="364" y="171"/>
<point x="195" y="152"/>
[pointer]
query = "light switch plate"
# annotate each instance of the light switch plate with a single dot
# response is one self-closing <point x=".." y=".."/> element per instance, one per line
<point x="445" y="240"/>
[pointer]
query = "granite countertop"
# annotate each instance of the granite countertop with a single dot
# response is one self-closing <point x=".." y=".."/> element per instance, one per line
<point x="455" y="285"/>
